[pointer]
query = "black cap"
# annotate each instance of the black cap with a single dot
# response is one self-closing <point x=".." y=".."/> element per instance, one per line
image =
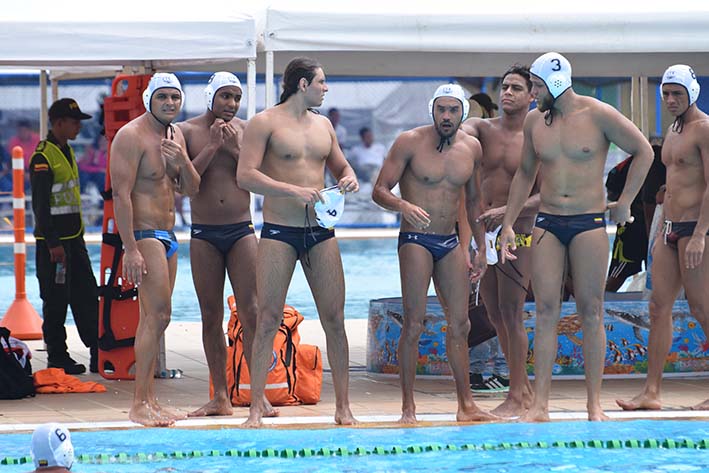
<point x="485" y="101"/>
<point x="67" y="108"/>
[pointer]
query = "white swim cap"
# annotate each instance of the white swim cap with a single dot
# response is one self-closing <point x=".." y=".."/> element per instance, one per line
<point x="683" y="75"/>
<point x="216" y="82"/>
<point x="329" y="213"/>
<point x="51" y="446"/>
<point x="555" y="70"/>
<point x="161" y="80"/>
<point x="450" y="90"/>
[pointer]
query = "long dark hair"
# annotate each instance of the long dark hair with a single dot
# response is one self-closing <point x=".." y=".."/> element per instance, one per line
<point x="298" y="68"/>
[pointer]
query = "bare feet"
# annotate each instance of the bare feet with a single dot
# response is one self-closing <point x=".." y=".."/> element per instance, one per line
<point x="535" y="414"/>
<point x="597" y="414"/>
<point x="641" y="402"/>
<point x="408" y="417"/>
<point x="474" y="414"/>
<point x="704" y="406"/>
<point x="215" y="407"/>
<point x="152" y="415"/>
<point x="344" y="417"/>
<point x="510" y="408"/>
<point x="268" y="409"/>
<point x="254" y="421"/>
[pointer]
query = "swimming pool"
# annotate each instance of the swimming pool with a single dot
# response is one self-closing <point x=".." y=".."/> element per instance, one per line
<point x="633" y="446"/>
<point x="371" y="271"/>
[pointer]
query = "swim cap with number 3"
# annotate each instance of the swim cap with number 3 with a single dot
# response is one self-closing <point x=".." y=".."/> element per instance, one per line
<point x="555" y="70"/>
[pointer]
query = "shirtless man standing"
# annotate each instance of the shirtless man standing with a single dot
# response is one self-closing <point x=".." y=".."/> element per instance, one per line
<point x="679" y="260"/>
<point x="223" y="239"/>
<point x="504" y="287"/>
<point x="433" y="165"/>
<point x="566" y="141"/>
<point x="149" y="163"/>
<point x="283" y="157"/>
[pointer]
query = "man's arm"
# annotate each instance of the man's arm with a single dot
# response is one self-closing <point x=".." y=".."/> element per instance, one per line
<point x="473" y="210"/>
<point x="204" y="156"/>
<point x="42" y="178"/>
<point x="179" y="166"/>
<point x="338" y="165"/>
<point x="249" y="175"/>
<point x="471" y="126"/>
<point x="621" y="131"/>
<point x="694" y="252"/>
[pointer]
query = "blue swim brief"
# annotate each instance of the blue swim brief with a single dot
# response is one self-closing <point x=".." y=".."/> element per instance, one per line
<point x="566" y="227"/>
<point x="222" y="237"/>
<point x="166" y="237"/>
<point x="438" y="245"/>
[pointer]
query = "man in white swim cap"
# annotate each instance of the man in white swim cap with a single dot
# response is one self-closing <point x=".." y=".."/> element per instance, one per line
<point x="679" y="260"/>
<point x="434" y="166"/>
<point x="51" y="449"/>
<point x="148" y="164"/>
<point x="504" y="286"/>
<point x="223" y="240"/>
<point x="283" y="157"/>
<point x="566" y="142"/>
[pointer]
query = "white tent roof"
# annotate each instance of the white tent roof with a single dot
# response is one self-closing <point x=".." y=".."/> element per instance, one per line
<point x="84" y="34"/>
<point x="426" y="38"/>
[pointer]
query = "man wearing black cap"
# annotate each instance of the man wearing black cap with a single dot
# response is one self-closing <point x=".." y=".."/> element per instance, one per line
<point x="63" y="267"/>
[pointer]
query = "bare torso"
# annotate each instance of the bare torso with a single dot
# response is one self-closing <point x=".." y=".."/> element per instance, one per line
<point x="572" y="152"/>
<point x="219" y="200"/>
<point x="433" y="180"/>
<point x="153" y="194"/>
<point x="685" y="170"/>
<point x="296" y="154"/>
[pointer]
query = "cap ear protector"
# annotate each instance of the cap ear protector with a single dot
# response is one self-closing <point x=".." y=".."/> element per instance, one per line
<point x="555" y="70"/>
<point x="161" y="80"/>
<point x="216" y="82"/>
<point x="450" y="90"/>
<point x="683" y="75"/>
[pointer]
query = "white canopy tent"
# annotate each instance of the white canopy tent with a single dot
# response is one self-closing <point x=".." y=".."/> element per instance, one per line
<point x="88" y="38"/>
<point x="464" y="39"/>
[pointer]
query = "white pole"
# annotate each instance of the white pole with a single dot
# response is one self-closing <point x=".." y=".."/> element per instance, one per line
<point x="270" y="89"/>
<point x="251" y="87"/>
<point x="43" y="128"/>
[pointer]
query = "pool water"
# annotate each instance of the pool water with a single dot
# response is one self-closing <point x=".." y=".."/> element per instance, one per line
<point x="494" y="458"/>
<point x="371" y="272"/>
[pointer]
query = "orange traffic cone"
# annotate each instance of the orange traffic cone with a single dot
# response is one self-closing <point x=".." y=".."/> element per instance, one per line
<point x="21" y="318"/>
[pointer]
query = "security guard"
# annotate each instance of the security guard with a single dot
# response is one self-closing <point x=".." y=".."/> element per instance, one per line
<point x="63" y="267"/>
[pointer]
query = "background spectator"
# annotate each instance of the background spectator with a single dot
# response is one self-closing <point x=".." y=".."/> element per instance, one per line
<point x="367" y="157"/>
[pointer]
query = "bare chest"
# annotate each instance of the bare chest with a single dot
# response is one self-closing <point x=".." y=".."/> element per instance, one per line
<point x="502" y="151"/>
<point x="680" y="151"/>
<point x="437" y="168"/>
<point x="294" y="144"/>
<point x="574" y="138"/>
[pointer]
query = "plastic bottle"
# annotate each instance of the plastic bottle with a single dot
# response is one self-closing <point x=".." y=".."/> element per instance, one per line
<point x="60" y="275"/>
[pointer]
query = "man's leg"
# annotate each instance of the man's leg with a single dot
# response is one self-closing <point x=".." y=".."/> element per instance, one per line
<point x="512" y="281"/>
<point x="588" y="257"/>
<point x="416" y="269"/>
<point x="453" y="287"/>
<point x="696" y="282"/>
<point x="83" y="298"/>
<point x="327" y="283"/>
<point x="275" y="264"/>
<point x="666" y="283"/>
<point x="208" y="277"/>
<point x="241" y="268"/>
<point x="548" y="266"/>
<point x="155" y="308"/>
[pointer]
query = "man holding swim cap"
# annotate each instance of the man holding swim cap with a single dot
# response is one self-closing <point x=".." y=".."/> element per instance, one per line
<point x="434" y="166"/>
<point x="223" y="238"/>
<point x="680" y="259"/>
<point x="51" y="449"/>
<point x="148" y="164"/>
<point x="566" y="142"/>
<point x="283" y="157"/>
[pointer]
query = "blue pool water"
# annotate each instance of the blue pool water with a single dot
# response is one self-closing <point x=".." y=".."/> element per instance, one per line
<point x="371" y="272"/>
<point x="586" y="459"/>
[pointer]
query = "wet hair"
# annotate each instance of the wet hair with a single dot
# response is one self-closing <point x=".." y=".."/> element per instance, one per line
<point x="522" y="71"/>
<point x="298" y="68"/>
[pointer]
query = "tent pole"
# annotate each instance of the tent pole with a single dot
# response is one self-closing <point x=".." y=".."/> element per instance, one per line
<point x="644" y="112"/>
<point x="43" y="128"/>
<point x="270" y="98"/>
<point x="251" y="87"/>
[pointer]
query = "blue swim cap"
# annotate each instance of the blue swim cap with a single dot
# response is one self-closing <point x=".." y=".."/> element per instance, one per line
<point x="555" y="70"/>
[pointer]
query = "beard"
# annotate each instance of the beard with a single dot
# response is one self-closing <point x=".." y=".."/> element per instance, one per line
<point x="546" y="104"/>
<point x="446" y="132"/>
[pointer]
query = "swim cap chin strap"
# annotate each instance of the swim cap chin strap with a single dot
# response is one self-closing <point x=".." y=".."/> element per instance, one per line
<point x="449" y="90"/>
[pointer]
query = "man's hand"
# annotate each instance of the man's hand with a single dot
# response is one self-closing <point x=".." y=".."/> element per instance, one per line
<point x="415" y="215"/>
<point x="348" y="184"/>
<point x="507" y="244"/>
<point x="173" y="153"/>
<point x="133" y="267"/>
<point x="307" y="195"/>
<point x="216" y="136"/>
<point x="231" y="136"/>
<point x="694" y="252"/>
<point x="620" y="213"/>
<point x="479" y="265"/>
<point x="492" y="218"/>
<point x="56" y="254"/>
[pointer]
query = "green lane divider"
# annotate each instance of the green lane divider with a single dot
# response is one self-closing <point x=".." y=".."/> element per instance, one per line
<point x="612" y="444"/>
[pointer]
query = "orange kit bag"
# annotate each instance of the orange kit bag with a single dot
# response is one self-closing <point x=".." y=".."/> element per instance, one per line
<point x="295" y="373"/>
